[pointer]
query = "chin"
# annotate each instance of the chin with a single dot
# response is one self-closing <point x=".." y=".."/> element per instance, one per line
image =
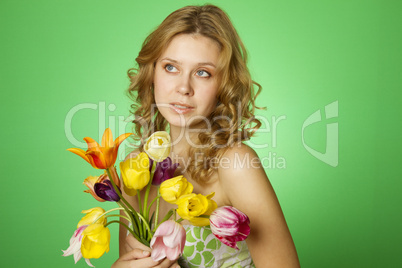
<point x="183" y="120"/>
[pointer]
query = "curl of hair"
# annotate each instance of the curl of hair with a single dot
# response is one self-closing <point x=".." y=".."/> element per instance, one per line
<point x="233" y="119"/>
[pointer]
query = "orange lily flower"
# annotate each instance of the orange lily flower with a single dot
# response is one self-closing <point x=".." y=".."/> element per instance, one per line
<point x="104" y="156"/>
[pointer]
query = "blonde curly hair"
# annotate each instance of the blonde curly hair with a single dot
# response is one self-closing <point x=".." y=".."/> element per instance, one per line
<point x="233" y="119"/>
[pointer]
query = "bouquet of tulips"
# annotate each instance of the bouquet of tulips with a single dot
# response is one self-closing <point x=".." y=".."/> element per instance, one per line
<point x="152" y="167"/>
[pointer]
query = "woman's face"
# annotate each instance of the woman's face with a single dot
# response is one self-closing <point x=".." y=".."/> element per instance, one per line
<point x="185" y="82"/>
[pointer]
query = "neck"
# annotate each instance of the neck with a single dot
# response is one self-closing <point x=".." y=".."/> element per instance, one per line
<point x="182" y="139"/>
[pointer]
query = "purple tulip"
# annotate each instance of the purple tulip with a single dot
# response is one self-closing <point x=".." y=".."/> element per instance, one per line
<point x="106" y="191"/>
<point x="168" y="241"/>
<point x="164" y="170"/>
<point x="151" y="163"/>
<point x="229" y="225"/>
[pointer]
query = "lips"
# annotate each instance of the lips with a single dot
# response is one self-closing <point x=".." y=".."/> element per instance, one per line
<point x="181" y="108"/>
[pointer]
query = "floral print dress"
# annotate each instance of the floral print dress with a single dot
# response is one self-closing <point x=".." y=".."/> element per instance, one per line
<point x="203" y="249"/>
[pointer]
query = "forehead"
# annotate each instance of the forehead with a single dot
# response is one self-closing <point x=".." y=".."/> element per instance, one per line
<point x="192" y="48"/>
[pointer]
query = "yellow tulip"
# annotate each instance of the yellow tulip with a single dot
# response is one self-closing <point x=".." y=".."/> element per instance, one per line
<point x="158" y="146"/>
<point x="104" y="156"/>
<point x="135" y="173"/>
<point x="91" y="215"/>
<point x="172" y="189"/>
<point x="95" y="241"/>
<point x="192" y="207"/>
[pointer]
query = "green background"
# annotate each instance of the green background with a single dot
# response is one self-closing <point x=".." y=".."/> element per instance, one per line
<point x="61" y="55"/>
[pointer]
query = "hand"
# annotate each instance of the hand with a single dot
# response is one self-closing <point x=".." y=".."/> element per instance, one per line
<point x="132" y="243"/>
<point x="135" y="258"/>
<point x="139" y="255"/>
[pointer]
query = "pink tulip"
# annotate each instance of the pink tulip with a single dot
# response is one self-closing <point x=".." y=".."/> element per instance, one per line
<point x="168" y="241"/>
<point x="229" y="225"/>
<point x="75" y="246"/>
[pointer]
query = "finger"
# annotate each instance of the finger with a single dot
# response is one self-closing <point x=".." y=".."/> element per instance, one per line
<point x="135" y="254"/>
<point x="127" y="247"/>
<point x="174" y="265"/>
<point x="146" y="262"/>
<point x="134" y="243"/>
<point x="166" y="263"/>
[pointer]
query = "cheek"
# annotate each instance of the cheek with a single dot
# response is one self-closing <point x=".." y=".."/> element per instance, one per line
<point x="163" y="82"/>
<point x="212" y="105"/>
<point x="156" y="96"/>
<point x="158" y="88"/>
<point x="211" y="95"/>
<point x="209" y="98"/>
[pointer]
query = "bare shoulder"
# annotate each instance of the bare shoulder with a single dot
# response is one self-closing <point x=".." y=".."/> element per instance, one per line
<point x="242" y="176"/>
<point x="247" y="188"/>
<point x="240" y="157"/>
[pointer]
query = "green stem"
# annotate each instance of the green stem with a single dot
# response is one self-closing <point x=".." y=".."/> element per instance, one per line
<point x="157" y="208"/>
<point x="125" y="226"/>
<point x="139" y="201"/>
<point x="123" y="202"/>
<point x="167" y="216"/>
<point x="134" y="218"/>
<point x="145" y="223"/>
<point x="117" y="215"/>
<point x="153" y="201"/>
<point x="118" y="191"/>
<point x="103" y="214"/>
<point x="148" y="189"/>
<point x="146" y="199"/>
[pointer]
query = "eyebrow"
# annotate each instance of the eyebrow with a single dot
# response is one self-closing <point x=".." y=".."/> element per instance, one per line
<point x="180" y="63"/>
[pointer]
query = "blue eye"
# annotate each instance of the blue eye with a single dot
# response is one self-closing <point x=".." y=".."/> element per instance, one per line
<point x="203" y="73"/>
<point x="170" y="68"/>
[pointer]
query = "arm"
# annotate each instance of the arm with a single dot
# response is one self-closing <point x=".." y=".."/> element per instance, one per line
<point x="249" y="190"/>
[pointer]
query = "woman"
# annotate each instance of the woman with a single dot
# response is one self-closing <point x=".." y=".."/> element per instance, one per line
<point x="192" y="80"/>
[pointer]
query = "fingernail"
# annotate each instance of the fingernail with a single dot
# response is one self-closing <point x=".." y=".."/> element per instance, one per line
<point x="146" y="253"/>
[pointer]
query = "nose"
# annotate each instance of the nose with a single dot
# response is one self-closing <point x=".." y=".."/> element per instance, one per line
<point x="184" y="86"/>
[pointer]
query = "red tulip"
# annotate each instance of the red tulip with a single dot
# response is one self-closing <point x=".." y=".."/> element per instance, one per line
<point x="229" y="225"/>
